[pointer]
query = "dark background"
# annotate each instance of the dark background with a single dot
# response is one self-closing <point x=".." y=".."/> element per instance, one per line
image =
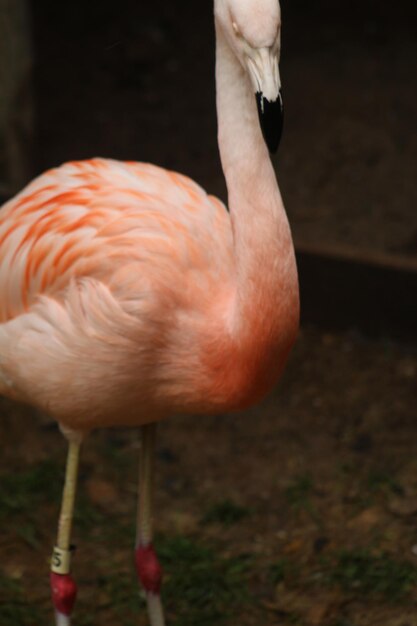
<point x="135" y="80"/>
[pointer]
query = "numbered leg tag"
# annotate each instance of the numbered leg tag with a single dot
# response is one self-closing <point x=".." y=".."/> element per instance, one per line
<point x="61" y="561"/>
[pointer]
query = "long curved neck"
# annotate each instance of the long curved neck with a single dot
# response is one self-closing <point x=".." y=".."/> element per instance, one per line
<point x="267" y="287"/>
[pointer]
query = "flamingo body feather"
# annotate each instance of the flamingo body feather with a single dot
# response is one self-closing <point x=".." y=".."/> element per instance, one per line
<point x="117" y="283"/>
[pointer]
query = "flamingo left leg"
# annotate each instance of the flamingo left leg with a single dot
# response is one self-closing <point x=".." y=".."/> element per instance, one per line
<point x="147" y="564"/>
<point x="63" y="587"/>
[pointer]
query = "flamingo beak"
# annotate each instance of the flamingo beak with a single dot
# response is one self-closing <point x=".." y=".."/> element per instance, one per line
<point x="263" y="72"/>
<point x="271" y="118"/>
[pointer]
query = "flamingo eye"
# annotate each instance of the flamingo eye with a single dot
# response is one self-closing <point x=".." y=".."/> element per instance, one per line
<point x="236" y="29"/>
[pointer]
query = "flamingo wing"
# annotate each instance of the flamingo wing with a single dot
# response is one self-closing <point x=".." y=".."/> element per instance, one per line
<point x="132" y="226"/>
<point x="112" y="277"/>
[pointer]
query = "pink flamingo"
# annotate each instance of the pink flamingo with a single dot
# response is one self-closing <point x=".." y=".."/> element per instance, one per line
<point x="128" y="294"/>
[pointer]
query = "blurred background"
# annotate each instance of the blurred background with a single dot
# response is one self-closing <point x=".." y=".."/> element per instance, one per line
<point x="303" y="510"/>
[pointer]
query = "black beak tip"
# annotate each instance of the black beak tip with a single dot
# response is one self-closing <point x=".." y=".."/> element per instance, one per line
<point x="271" y="118"/>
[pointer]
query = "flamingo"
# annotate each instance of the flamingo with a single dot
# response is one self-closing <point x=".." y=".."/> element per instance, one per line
<point x="128" y="294"/>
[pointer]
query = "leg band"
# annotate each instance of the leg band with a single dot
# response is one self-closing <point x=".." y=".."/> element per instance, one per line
<point x="64" y="592"/>
<point x="148" y="568"/>
<point x="61" y="560"/>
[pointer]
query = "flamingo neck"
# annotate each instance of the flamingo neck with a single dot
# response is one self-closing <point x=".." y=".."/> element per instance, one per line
<point x="266" y="277"/>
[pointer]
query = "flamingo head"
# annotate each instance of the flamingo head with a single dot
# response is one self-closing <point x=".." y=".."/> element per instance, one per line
<point x="252" y="29"/>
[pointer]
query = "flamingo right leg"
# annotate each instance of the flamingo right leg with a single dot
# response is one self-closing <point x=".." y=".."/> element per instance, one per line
<point x="63" y="587"/>
<point x="147" y="564"/>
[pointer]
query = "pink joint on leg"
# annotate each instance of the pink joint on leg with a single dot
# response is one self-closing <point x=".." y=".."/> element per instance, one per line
<point x="64" y="592"/>
<point x="148" y="568"/>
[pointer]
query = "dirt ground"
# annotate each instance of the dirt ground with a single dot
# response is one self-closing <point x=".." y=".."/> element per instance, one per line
<point x="301" y="511"/>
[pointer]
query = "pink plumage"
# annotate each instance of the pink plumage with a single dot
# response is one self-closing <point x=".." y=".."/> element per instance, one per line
<point x="117" y="283"/>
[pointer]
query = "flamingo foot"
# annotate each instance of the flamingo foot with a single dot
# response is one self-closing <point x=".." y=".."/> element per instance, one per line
<point x="64" y="593"/>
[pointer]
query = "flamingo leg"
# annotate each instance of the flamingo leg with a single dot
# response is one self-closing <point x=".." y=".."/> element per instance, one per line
<point x="147" y="564"/>
<point x="63" y="587"/>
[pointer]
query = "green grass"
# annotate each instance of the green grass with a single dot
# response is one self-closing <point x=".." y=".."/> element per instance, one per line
<point x="30" y="534"/>
<point x="21" y="492"/>
<point x="298" y="493"/>
<point x="89" y="620"/>
<point x="381" y="481"/>
<point x="278" y="571"/>
<point x="88" y="517"/>
<point x="122" y="597"/>
<point x="225" y="512"/>
<point x="299" y="496"/>
<point x="14" y="609"/>
<point x="202" y="588"/>
<point x="365" y="573"/>
<point x="122" y="462"/>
